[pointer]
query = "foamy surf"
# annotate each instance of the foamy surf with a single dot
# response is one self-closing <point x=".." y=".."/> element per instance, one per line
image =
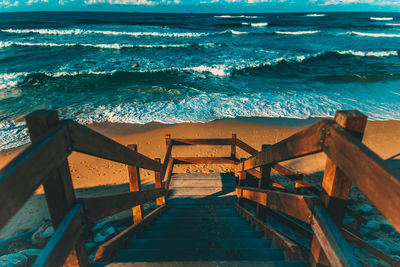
<point x="236" y="17"/>
<point x="381" y="19"/>
<point x="297" y="32"/>
<point x="376" y="35"/>
<point x="107" y="46"/>
<point x="316" y="15"/>
<point x="369" y="54"/>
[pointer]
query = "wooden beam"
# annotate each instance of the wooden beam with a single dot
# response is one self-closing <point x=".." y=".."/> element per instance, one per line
<point x="204" y="141"/>
<point x="263" y="183"/>
<point x="335" y="185"/>
<point x="63" y="240"/>
<point x="336" y="248"/>
<point x="371" y="174"/>
<point x="134" y="186"/>
<point x="106" y="250"/>
<point x="168" y="150"/>
<point x="291" y="204"/>
<point x="303" y="143"/>
<point x="92" y="143"/>
<point x="158" y="184"/>
<point x="292" y="250"/>
<point x="246" y="147"/>
<point x="99" y="207"/>
<point x="58" y="187"/>
<point x="204" y="160"/>
<point x="168" y="175"/>
<point x="233" y="151"/>
<point x="26" y="172"/>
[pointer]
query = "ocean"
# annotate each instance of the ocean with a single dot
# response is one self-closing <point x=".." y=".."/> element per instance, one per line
<point x="195" y="67"/>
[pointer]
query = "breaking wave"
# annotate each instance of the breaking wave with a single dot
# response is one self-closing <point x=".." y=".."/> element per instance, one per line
<point x="315" y="15"/>
<point x="384" y="19"/>
<point x="371" y="34"/>
<point x="297" y="32"/>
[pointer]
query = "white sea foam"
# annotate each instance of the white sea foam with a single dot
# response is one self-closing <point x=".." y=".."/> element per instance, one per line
<point x="236" y="17"/>
<point x="217" y="70"/>
<point x="369" y="53"/>
<point x="8" y="80"/>
<point x="371" y="34"/>
<point x="393" y="24"/>
<point x="103" y="46"/>
<point x="297" y="32"/>
<point x="376" y="18"/>
<point x="315" y="15"/>
<point x="260" y="24"/>
<point x="83" y="32"/>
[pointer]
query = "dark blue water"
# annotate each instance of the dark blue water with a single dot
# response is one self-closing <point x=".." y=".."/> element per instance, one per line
<point x="196" y="67"/>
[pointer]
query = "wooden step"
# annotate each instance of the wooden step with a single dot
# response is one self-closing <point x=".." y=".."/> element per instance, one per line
<point x="193" y="233"/>
<point x="203" y="183"/>
<point x="205" y="191"/>
<point x="209" y="242"/>
<point x="199" y="254"/>
<point x="202" y="264"/>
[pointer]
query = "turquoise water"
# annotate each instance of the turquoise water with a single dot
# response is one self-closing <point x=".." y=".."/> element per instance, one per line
<point x="196" y="67"/>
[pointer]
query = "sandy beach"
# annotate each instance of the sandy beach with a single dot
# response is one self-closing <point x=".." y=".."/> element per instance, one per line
<point x="96" y="176"/>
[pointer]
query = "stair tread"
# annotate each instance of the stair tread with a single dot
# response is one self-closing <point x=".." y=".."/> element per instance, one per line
<point x="203" y="264"/>
<point x="167" y="254"/>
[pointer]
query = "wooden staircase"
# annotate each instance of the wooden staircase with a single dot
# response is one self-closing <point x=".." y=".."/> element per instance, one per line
<point x="201" y="228"/>
<point x="204" y="217"/>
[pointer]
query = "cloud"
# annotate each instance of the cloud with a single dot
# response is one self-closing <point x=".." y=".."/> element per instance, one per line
<point x="132" y="2"/>
<point x="8" y="3"/>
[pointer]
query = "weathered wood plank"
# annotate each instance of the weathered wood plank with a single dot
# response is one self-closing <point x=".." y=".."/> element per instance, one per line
<point x="92" y="143"/>
<point x="107" y="249"/>
<point x="303" y="143"/>
<point x="336" y="186"/>
<point x="63" y="240"/>
<point x="202" y="141"/>
<point x="336" y="248"/>
<point x="371" y="174"/>
<point x="134" y="186"/>
<point x="26" y="172"/>
<point x="263" y="183"/>
<point x="58" y="188"/>
<point x="204" y="160"/>
<point x="246" y="147"/>
<point x="168" y="151"/>
<point x="99" y="207"/>
<point x="292" y="250"/>
<point x="290" y="204"/>
<point x="158" y="184"/>
<point x="168" y="175"/>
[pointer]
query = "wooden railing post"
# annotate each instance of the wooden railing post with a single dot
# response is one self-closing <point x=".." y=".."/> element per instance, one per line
<point x="335" y="185"/>
<point x="263" y="183"/>
<point x="233" y="152"/>
<point x="241" y="182"/>
<point x="58" y="188"/>
<point x="157" y="175"/>
<point x="134" y="185"/>
<point x="167" y="141"/>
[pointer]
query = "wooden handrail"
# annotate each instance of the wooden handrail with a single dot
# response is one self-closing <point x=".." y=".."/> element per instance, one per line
<point x="25" y="173"/>
<point x="107" y="249"/>
<point x="371" y="174"/>
<point x="202" y="141"/>
<point x="168" y="175"/>
<point x="60" y="244"/>
<point x="205" y="160"/>
<point x="90" y="142"/>
<point x="294" y="205"/>
<point x="336" y="248"/>
<point x="99" y="207"/>
<point x="306" y="142"/>
<point x="307" y="209"/>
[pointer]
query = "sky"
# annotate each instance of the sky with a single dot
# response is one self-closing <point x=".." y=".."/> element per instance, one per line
<point x="201" y="6"/>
